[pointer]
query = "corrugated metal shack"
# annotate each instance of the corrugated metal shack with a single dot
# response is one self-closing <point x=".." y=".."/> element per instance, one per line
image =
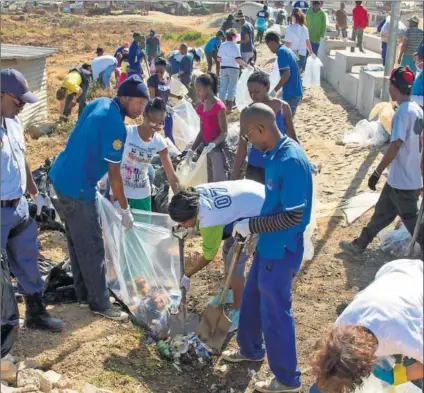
<point x="31" y="61"/>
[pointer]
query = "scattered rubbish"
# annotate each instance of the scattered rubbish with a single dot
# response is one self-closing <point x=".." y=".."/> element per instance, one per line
<point x="384" y="112"/>
<point x="242" y="92"/>
<point x="367" y="133"/>
<point x="223" y="369"/>
<point x="190" y="350"/>
<point x="163" y="349"/>
<point x="312" y="75"/>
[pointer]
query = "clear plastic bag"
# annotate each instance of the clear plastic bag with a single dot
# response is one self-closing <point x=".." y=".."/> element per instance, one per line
<point x="367" y="133"/>
<point x="143" y="266"/>
<point x="177" y="87"/>
<point x="396" y="241"/>
<point x="384" y="112"/>
<point x="186" y="124"/>
<point x="312" y="75"/>
<point x="242" y="92"/>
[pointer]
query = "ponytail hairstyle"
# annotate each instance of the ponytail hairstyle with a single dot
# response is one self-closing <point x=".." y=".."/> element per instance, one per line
<point x="209" y="79"/>
<point x="184" y="205"/>
<point x="155" y="105"/>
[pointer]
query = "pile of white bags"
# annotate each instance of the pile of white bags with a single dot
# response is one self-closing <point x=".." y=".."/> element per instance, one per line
<point x="312" y="75"/>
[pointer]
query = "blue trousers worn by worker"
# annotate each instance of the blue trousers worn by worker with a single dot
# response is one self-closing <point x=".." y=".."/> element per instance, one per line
<point x="266" y="314"/>
<point x="22" y="249"/>
<point x="384" y="52"/>
<point x="315" y="47"/>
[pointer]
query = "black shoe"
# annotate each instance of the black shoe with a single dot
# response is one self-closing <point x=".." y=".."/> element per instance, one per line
<point x="37" y="317"/>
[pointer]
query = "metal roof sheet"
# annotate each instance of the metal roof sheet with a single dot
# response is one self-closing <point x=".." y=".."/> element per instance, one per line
<point x="9" y="51"/>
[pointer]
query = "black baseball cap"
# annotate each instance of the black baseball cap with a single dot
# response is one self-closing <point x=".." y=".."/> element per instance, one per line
<point x="133" y="87"/>
<point x="14" y="82"/>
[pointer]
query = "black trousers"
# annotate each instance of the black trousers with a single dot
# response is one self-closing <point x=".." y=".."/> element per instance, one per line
<point x="82" y="102"/>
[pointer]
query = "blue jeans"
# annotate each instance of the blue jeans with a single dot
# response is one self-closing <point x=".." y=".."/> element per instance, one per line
<point x="22" y="249"/>
<point x="315" y="48"/>
<point x="266" y="314"/>
<point x="383" y="52"/>
<point x="228" y="83"/>
<point x="106" y="74"/>
<point x="293" y="103"/>
<point x="86" y="250"/>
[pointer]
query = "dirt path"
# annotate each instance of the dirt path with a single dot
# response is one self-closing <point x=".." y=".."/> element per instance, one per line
<point x="117" y="357"/>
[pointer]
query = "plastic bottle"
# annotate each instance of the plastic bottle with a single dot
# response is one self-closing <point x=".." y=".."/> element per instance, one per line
<point x="163" y="349"/>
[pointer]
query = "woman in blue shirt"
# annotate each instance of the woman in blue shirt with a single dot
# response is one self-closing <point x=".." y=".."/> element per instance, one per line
<point x="211" y="50"/>
<point x="259" y="85"/>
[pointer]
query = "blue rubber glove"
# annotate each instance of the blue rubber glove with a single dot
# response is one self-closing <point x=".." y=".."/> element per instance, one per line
<point x="384" y="375"/>
<point x="396" y="376"/>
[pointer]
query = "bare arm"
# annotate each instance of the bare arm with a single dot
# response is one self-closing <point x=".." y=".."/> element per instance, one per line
<point x="288" y="122"/>
<point x="198" y="140"/>
<point x="402" y="49"/>
<point x="196" y="266"/>
<point x="240" y="156"/>
<point x="241" y="62"/>
<point x="169" y="170"/>
<point x="31" y="186"/>
<point x="117" y="185"/>
<point x="223" y="126"/>
<point x="284" y="78"/>
<point x="390" y="155"/>
<point x="415" y="371"/>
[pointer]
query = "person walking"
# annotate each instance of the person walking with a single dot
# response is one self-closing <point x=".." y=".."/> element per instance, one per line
<point x="230" y="59"/>
<point x="316" y="21"/>
<point x="266" y="324"/>
<point x="413" y="38"/>
<point x="136" y="56"/>
<point x="341" y="21"/>
<point x="297" y="38"/>
<point x="360" y="23"/>
<point x="94" y="148"/>
<point x="152" y="46"/>
<point x="262" y="18"/>
<point x="400" y="193"/>
<point x="247" y="37"/>
<point x="258" y="85"/>
<point x="102" y="68"/>
<point x="211" y="50"/>
<point x="290" y="80"/>
<point x="18" y="229"/>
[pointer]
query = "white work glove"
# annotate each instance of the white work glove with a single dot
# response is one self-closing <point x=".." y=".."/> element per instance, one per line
<point x="127" y="219"/>
<point x="209" y="147"/>
<point x="185" y="283"/>
<point x="40" y="201"/>
<point x="242" y="228"/>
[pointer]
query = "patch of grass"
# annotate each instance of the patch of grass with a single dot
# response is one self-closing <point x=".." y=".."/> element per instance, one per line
<point x="69" y="21"/>
<point x="63" y="31"/>
<point x="186" y="36"/>
<point x="111" y="379"/>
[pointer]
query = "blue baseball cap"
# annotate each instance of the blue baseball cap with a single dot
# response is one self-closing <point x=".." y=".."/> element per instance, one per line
<point x="13" y="82"/>
<point x="133" y="87"/>
<point x="420" y="52"/>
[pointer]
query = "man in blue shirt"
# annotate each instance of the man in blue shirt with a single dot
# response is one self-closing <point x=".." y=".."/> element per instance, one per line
<point x="289" y="71"/>
<point x="211" y="50"/>
<point x="266" y="305"/>
<point x="135" y="57"/>
<point x="94" y="148"/>
<point x="418" y="86"/>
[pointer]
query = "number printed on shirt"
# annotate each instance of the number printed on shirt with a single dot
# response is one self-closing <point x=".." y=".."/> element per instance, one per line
<point x="220" y="196"/>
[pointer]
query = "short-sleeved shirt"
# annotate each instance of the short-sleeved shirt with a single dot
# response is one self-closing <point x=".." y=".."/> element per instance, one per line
<point x="415" y="36"/>
<point x="97" y="140"/>
<point x="288" y="187"/>
<point x="135" y="162"/>
<point x="135" y="56"/>
<point x="162" y="88"/>
<point x="213" y="45"/>
<point x="222" y="204"/>
<point x="13" y="171"/>
<point x="72" y="82"/>
<point x="99" y="64"/>
<point x="247" y="29"/>
<point x="286" y="59"/>
<point x="209" y="121"/>
<point x="228" y="52"/>
<point x="297" y="35"/>
<point x="186" y="65"/>
<point x="391" y="307"/>
<point x="407" y="126"/>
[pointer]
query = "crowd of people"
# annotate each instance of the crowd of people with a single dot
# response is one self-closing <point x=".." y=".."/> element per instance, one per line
<point x="273" y="203"/>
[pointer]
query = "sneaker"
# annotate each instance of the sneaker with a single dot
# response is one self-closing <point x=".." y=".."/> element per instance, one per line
<point x="235" y="317"/>
<point x="235" y="356"/>
<point x="215" y="301"/>
<point x="273" y="386"/>
<point x="114" y="313"/>
<point x="351" y="248"/>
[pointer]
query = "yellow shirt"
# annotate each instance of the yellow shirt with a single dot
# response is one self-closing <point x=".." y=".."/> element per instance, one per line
<point x="72" y="82"/>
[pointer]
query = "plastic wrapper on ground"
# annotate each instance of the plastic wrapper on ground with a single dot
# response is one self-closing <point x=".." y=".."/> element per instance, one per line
<point x="186" y="124"/>
<point x="142" y="266"/>
<point x="367" y="133"/>
<point x="242" y="92"/>
<point x="312" y="75"/>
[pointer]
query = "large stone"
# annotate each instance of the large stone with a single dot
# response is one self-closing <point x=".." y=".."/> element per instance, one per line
<point x="45" y="384"/>
<point x="8" y="371"/>
<point x="28" y="377"/>
<point x="64" y="383"/>
<point x="88" y="388"/>
<point x="27" y="364"/>
<point x="53" y="377"/>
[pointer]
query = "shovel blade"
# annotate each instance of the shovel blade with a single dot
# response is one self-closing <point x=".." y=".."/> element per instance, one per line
<point x="214" y="327"/>
<point x="180" y="325"/>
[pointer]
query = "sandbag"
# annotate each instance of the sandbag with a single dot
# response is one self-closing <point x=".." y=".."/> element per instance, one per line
<point x="186" y="124"/>
<point x="384" y="113"/>
<point x="242" y="92"/>
<point x="367" y="133"/>
<point x="142" y="266"/>
<point x="312" y="75"/>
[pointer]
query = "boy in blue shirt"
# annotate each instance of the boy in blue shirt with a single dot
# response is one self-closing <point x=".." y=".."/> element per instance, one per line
<point x="266" y="304"/>
<point x="211" y="50"/>
<point x="135" y="56"/>
<point x="289" y="71"/>
<point x="94" y="148"/>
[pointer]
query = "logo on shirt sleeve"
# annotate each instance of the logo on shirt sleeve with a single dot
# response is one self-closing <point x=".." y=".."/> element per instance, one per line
<point x="117" y="144"/>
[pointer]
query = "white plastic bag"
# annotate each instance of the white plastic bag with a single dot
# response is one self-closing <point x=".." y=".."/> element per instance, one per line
<point x="177" y="87"/>
<point x="374" y="385"/>
<point x="309" y="249"/>
<point x="142" y="265"/>
<point x="367" y="133"/>
<point x="186" y="124"/>
<point x="312" y="75"/>
<point x="275" y="76"/>
<point x="396" y="241"/>
<point x="242" y="92"/>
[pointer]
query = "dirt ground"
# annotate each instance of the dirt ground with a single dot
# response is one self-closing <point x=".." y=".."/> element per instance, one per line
<point x="116" y="356"/>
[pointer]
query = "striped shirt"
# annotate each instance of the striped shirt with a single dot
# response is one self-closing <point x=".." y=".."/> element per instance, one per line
<point x="415" y="36"/>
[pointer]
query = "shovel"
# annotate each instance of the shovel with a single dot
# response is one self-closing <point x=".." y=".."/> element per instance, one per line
<point x="182" y="323"/>
<point x="215" y="325"/>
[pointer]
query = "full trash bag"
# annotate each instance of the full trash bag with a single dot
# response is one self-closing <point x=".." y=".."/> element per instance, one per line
<point x="384" y="112"/>
<point x="242" y="92"/>
<point x="312" y="75"/>
<point x="186" y="124"/>
<point x="143" y="266"/>
<point x="9" y="308"/>
<point x="367" y="133"/>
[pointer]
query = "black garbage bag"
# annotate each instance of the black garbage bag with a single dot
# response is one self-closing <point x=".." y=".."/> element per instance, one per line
<point x="160" y="200"/>
<point x="9" y="308"/>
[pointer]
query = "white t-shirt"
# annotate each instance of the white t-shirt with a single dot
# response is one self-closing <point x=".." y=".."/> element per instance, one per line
<point x="100" y="63"/>
<point x="225" y="202"/>
<point x="297" y="35"/>
<point x="135" y="162"/>
<point x="392" y="309"/>
<point x="407" y="125"/>
<point x="229" y="51"/>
